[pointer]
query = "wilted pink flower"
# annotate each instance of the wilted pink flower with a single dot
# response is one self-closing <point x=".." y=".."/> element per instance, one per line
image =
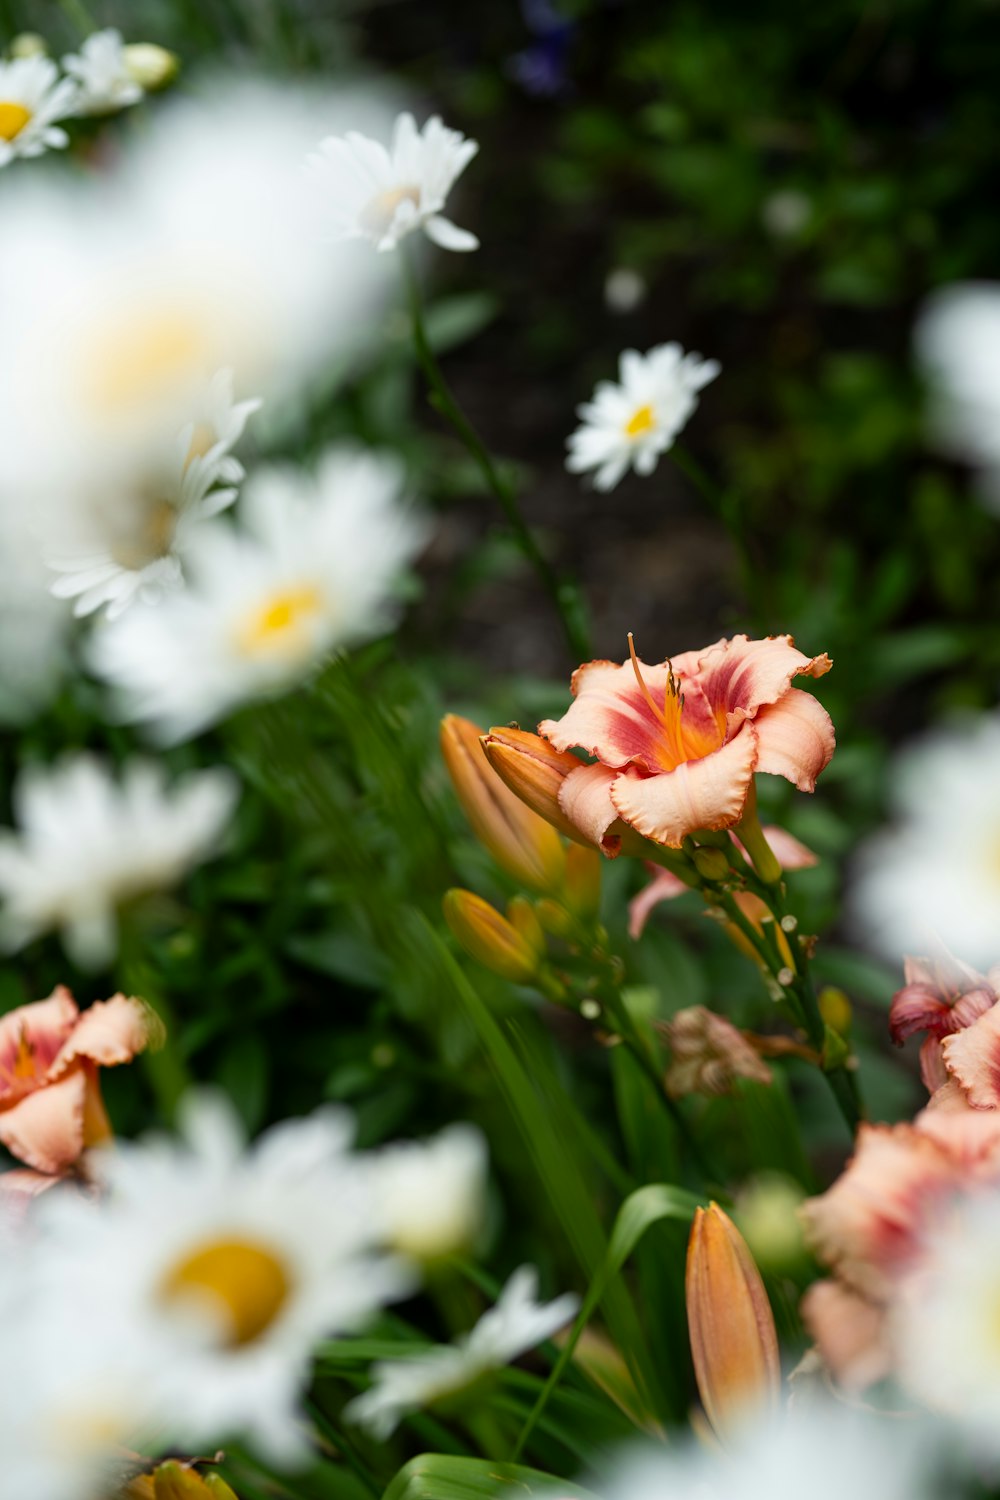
<point x="708" y="1054"/>
<point x="940" y="997"/>
<point x="50" y="1097"/>
<point x="677" y="744"/>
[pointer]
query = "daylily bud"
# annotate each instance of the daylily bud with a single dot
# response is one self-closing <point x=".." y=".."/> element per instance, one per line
<point x="534" y="771"/>
<point x="519" y="840"/>
<point x="150" y="66"/>
<point x="521" y="915"/>
<point x="487" y="936"/>
<point x="556" y="919"/>
<point x="178" y="1481"/>
<point x="731" y="1326"/>
<point x="583" y="881"/>
<point x="27" y="44"/>
<point x="711" y="864"/>
<point x="835" y="1008"/>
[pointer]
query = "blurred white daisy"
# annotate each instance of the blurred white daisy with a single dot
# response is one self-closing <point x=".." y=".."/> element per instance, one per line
<point x="311" y="571"/>
<point x="958" y="343"/>
<point x="935" y="875"/>
<point x="132" y="550"/>
<point x="101" y="70"/>
<point x="32" y="98"/>
<point x="88" y="841"/>
<point x="34" y="627"/>
<point x="633" y="422"/>
<point x="223" y="1267"/>
<point x="516" y="1324"/>
<point x="218" y="425"/>
<point x="945" y="1325"/>
<point x="382" y="195"/>
<point x="431" y="1194"/>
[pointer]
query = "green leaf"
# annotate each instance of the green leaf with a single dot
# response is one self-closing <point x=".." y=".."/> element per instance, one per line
<point x="435" y="1476"/>
<point x="646" y="1206"/>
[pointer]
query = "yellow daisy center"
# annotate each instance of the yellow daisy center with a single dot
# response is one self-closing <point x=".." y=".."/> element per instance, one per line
<point x="642" y="420"/>
<point x="13" y="118"/>
<point x="142" y="361"/>
<point x="246" y="1281"/>
<point x="278" y="623"/>
<point x="377" y="216"/>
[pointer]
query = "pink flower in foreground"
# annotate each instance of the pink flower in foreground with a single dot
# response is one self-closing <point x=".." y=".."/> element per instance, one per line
<point x="941" y="997"/>
<point x="50" y="1098"/>
<point x="677" y="745"/>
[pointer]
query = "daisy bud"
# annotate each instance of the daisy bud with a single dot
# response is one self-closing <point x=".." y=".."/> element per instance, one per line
<point x="488" y="937"/>
<point x="733" y="1341"/>
<point x="150" y="66"/>
<point x="522" y="843"/>
<point x="28" y="44"/>
<point x="534" y="771"/>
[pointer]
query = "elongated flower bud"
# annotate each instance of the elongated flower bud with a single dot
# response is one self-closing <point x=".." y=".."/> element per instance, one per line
<point x="534" y="771"/>
<point x="583" y="881"/>
<point x="522" y="843"/>
<point x="150" y="66"/>
<point x="488" y="937"/>
<point x="731" y="1326"/>
<point x="178" y="1481"/>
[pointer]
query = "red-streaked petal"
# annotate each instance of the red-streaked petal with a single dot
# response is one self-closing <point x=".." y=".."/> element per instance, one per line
<point x="45" y="1129"/>
<point x="796" y="738"/>
<point x="34" y="1032"/>
<point x="584" y="798"/>
<point x="706" y="793"/>
<point x="917" y="1007"/>
<point x="664" y="886"/>
<point x="109" y="1032"/>
<point x="740" y="675"/>
<point x="972" y="1056"/>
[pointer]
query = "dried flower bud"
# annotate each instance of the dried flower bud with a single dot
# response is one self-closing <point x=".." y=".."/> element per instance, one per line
<point x="708" y="1054"/>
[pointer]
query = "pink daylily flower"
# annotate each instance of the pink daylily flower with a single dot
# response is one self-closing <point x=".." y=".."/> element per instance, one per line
<point x="677" y="744"/>
<point x="50" y="1098"/>
<point x="942" y="997"/>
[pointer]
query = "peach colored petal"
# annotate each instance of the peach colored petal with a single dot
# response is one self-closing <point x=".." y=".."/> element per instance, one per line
<point x="971" y="1137"/>
<point x="740" y="676"/>
<point x="614" y="719"/>
<point x="933" y="1073"/>
<point x="21" y="1183"/>
<point x="796" y="738"/>
<point x="789" y="851"/>
<point x="30" y="1038"/>
<point x="664" y="886"/>
<point x="850" y="1333"/>
<point x="109" y="1032"/>
<point x="706" y="793"/>
<point x="584" y="798"/>
<point x="46" y="1128"/>
<point x="972" y="1057"/>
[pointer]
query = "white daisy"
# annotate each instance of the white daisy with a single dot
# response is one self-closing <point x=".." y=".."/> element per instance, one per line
<point x="958" y="343"/>
<point x="633" y="422"/>
<point x="132" y="550"/>
<point x="32" y="98"/>
<point x="218" y="426"/>
<point x="431" y="1194"/>
<point x="223" y="1267"/>
<point x="101" y="70"/>
<point x="945" y="1325"/>
<point x="935" y="876"/>
<point x="34" y="627"/>
<point x="516" y="1324"/>
<point x="383" y="195"/>
<point x="311" y="572"/>
<point x="88" y="841"/>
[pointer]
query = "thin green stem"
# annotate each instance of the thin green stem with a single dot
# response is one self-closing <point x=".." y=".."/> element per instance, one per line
<point x="77" y="13"/>
<point x="564" y="593"/>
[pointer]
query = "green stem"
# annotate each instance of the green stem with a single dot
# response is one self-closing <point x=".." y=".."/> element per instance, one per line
<point x="565" y="594"/>
<point x="78" y="15"/>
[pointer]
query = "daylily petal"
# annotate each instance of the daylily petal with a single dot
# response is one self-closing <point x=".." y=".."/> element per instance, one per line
<point x="46" y="1128"/>
<point x="850" y="1333"/>
<point x="706" y="793"/>
<point x="585" y="798"/>
<point x="21" y="1184"/>
<point x="109" y="1032"/>
<point x="30" y="1039"/>
<point x="740" y="676"/>
<point x="789" y="851"/>
<point x="933" y="1073"/>
<point x="796" y="738"/>
<point x="664" y="886"/>
<point x="972" y="1056"/>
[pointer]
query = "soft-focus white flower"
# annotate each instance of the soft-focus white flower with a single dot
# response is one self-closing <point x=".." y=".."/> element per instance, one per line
<point x="217" y="426"/>
<point x="382" y="195"/>
<point x="198" y="251"/>
<point x="624" y="289"/>
<point x="819" y="1448"/>
<point x="431" y="1194"/>
<point x="311" y="572"/>
<point x="945" y="1324"/>
<point x="958" y="343"/>
<point x="936" y="873"/>
<point x="100" y="68"/>
<point x="32" y="98"/>
<point x="223" y="1267"/>
<point x="516" y="1324"/>
<point x="33" y="625"/>
<point x="87" y="841"/>
<point x="131" y="547"/>
<point x="634" y="421"/>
